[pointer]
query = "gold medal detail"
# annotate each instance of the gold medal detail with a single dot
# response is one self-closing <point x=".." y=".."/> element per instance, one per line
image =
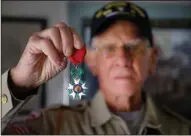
<point x="77" y="89"/>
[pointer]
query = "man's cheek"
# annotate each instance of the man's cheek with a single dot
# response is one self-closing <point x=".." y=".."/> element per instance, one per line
<point x="142" y="70"/>
<point x="103" y="70"/>
<point x="138" y="68"/>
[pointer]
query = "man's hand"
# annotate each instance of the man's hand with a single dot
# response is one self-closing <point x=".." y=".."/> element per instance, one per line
<point x="45" y="55"/>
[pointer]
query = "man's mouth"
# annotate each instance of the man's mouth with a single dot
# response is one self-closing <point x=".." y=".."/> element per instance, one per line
<point x="123" y="78"/>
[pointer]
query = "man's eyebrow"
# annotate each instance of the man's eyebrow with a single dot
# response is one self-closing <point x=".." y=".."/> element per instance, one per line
<point x="107" y="44"/>
<point x="102" y="43"/>
<point x="134" y="41"/>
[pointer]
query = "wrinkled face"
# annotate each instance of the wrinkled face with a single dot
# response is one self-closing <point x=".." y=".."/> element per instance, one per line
<point x="123" y="60"/>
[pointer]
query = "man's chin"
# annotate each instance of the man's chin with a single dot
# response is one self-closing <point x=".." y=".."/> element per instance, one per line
<point x="127" y="90"/>
<point x="126" y="85"/>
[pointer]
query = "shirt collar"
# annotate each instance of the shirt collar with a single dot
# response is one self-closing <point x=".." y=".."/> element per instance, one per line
<point x="100" y="113"/>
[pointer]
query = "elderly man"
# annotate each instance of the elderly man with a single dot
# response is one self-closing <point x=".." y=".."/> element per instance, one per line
<point x="122" y="57"/>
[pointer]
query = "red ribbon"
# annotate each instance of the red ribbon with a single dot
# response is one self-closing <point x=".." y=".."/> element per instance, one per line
<point x="78" y="55"/>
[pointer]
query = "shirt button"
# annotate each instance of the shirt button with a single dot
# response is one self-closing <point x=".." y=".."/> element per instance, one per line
<point x="4" y="99"/>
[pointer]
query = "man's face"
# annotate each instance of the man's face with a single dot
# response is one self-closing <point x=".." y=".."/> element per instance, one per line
<point x="121" y="72"/>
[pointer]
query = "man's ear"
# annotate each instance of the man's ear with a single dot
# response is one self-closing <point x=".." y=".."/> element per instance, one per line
<point x="153" y="61"/>
<point x="90" y="60"/>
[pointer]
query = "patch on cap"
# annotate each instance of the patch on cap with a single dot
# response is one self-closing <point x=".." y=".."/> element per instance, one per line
<point x="119" y="7"/>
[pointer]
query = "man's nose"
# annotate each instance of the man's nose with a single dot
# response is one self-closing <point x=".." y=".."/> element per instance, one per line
<point x="123" y="57"/>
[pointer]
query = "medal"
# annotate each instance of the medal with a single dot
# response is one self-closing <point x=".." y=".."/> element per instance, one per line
<point x="76" y="87"/>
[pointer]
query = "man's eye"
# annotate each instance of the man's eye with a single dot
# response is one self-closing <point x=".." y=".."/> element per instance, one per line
<point x="130" y="48"/>
<point x="110" y="48"/>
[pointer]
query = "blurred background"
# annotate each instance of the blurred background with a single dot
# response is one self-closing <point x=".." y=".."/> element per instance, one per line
<point x="171" y="22"/>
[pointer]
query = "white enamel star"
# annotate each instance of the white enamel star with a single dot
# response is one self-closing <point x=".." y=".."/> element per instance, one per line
<point x="71" y="87"/>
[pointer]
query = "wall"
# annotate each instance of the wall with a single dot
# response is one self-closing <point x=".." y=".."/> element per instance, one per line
<point x="54" y="12"/>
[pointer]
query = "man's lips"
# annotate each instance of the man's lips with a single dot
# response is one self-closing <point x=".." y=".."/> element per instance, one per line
<point x="123" y="74"/>
<point x="128" y="77"/>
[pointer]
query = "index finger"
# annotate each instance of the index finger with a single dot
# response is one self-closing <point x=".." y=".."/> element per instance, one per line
<point x="78" y="42"/>
<point x="66" y="38"/>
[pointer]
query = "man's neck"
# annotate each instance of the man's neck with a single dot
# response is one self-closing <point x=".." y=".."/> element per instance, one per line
<point x="125" y="104"/>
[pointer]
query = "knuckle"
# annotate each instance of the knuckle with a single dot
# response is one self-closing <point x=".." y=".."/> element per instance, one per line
<point x="35" y="33"/>
<point x="62" y="24"/>
<point x="45" y="41"/>
<point x="54" y="30"/>
<point x="32" y="38"/>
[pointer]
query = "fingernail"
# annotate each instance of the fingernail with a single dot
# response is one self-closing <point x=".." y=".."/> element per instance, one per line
<point x="78" y="45"/>
<point x="68" y="52"/>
